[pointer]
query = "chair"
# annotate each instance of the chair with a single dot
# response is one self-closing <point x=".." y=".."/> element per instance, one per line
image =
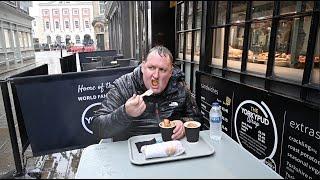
<point x="123" y="62"/>
<point x="134" y="62"/>
<point x="91" y="65"/>
<point x="106" y="60"/>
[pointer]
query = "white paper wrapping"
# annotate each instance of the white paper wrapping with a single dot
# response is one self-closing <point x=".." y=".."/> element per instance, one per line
<point x="164" y="149"/>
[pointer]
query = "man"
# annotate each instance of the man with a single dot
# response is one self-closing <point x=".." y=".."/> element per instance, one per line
<point x="126" y="113"/>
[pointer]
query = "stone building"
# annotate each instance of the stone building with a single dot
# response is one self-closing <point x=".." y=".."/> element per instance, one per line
<point x="16" y="44"/>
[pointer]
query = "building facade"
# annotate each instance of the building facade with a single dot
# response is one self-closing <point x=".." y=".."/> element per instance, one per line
<point x="65" y="23"/>
<point x="99" y="25"/>
<point x="16" y="44"/>
<point x="135" y="26"/>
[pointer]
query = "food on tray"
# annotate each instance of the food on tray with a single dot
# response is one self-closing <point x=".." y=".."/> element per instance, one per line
<point x="234" y="53"/>
<point x="302" y="59"/>
<point x="164" y="149"/>
<point x="263" y="56"/>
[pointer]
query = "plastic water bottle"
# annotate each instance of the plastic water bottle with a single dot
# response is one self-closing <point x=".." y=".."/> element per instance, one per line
<point x="215" y="122"/>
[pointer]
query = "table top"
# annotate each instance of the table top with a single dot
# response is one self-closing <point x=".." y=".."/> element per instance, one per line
<point x="230" y="160"/>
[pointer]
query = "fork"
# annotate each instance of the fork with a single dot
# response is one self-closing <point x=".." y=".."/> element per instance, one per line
<point x="147" y="93"/>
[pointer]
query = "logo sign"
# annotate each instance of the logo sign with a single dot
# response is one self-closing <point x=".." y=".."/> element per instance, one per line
<point x="87" y="116"/>
<point x="256" y="130"/>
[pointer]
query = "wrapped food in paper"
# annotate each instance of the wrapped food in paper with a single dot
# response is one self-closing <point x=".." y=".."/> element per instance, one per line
<point x="164" y="149"/>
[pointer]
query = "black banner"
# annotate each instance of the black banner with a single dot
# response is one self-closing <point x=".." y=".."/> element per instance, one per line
<point x="57" y="109"/>
<point x="281" y="132"/>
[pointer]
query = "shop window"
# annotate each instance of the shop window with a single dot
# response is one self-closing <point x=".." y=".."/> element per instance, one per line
<point x="235" y="47"/>
<point x="188" y="48"/>
<point x="262" y="9"/>
<point x="217" y="47"/>
<point x="315" y="75"/>
<point x="258" y="47"/>
<point x="287" y="7"/>
<point x="180" y="48"/>
<point x="221" y="11"/>
<point x="197" y="38"/>
<point x="182" y="16"/>
<point x="190" y="12"/>
<point x="238" y="11"/>
<point x="291" y="48"/>
<point x="198" y="14"/>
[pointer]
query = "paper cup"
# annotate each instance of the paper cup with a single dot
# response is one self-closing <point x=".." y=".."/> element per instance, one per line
<point x="192" y="129"/>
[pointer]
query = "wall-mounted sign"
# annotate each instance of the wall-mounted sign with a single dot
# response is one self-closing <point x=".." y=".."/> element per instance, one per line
<point x="281" y="132"/>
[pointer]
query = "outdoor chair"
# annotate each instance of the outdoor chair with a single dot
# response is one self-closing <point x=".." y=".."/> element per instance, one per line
<point x="91" y="65"/>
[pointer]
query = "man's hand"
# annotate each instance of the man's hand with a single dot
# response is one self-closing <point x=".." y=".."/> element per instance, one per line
<point x="179" y="130"/>
<point x="135" y="106"/>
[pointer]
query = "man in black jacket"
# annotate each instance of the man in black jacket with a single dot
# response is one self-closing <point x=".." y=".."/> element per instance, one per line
<point x="125" y="113"/>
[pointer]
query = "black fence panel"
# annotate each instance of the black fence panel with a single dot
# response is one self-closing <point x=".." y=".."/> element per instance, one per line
<point x="57" y="109"/>
<point x="68" y="63"/>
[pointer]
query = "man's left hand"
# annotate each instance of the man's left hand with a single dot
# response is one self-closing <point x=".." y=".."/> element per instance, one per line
<point x="178" y="131"/>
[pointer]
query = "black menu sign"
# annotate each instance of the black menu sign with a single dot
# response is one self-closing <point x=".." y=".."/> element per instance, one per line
<point x="283" y="133"/>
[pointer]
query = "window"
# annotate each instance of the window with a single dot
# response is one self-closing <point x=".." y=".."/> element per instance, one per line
<point x="101" y="7"/>
<point x="238" y="11"/>
<point x="45" y="12"/>
<point x="262" y="9"/>
<point x="65" y="11"/>
<point x="14" y="39"/>
<point x="7" y="38"/>
<point x="57" y="24"/>
<point x="77" y="39"/>
<point x="86" y="23"/>
<point x="189" y="38"/>
<point x="76" y="24"/>
<point x="315" y="75"/>
<point x="85" y="11"/>
<point x="291" y="48"/>
<point x="259" y="40"/>
<point x="75" y="12"/>
<point x="217" y="47"/>
<point x="66" y="23"/>
<point x="55" y="12"/>
<point x="235" y="47"/>
<point x="47" y="25"/>
<point x="20" y="39"/>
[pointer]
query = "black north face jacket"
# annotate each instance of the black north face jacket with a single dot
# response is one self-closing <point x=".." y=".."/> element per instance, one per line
<point x="175" y="102"/>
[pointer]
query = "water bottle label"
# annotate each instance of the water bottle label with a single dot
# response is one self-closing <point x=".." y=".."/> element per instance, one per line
<point x="216" y="119"/>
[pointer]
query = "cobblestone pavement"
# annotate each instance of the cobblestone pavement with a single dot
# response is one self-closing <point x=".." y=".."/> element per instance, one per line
<point x="57" y="165"/>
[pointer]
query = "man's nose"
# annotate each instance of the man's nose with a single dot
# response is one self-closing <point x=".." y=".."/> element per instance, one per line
<point x="156" y="73"/>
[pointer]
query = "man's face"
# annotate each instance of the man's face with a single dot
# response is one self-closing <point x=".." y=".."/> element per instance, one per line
<point x="156" y="71"/>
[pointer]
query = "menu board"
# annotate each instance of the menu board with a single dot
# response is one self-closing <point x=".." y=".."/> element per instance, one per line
<point x="281" y="132"/>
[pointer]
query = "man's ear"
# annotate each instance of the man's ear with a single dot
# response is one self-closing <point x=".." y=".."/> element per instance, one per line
<point x="143" y="66"/>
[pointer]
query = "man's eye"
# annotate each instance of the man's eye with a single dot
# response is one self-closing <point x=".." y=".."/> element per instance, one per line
<point x="163" y="70"/>
<point x="152" y="68"/>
